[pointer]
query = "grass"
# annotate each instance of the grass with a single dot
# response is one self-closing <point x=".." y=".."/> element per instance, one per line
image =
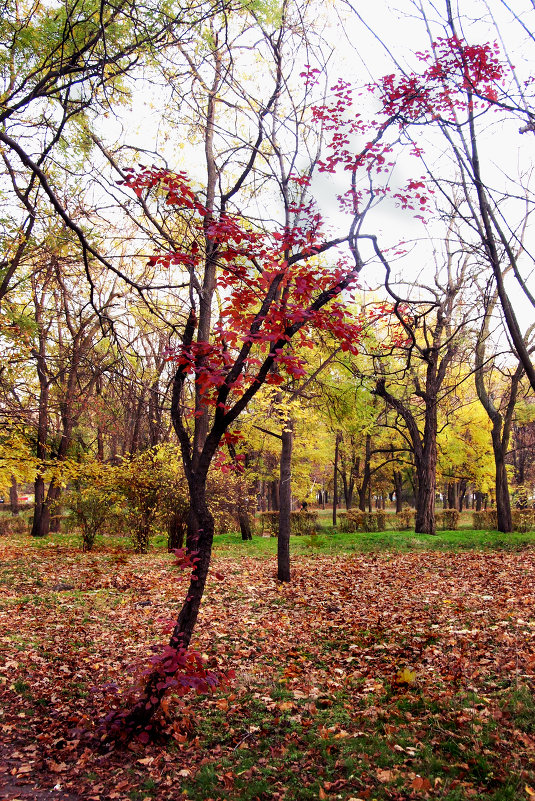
<point x="327" y="541"/>
<point x="336" y="542"/>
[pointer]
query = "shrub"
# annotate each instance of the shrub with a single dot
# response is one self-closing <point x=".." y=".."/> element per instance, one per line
<point x="12" y="525"/>
<point x="405" y="519"/>
<point x="523" y="520"/>
<point x="343" y="522"/>
<point x="355" y="520"/>
<point x="269" y="523"/>
<point x="486" y="519"/>
<point x="92" y="505"/>
<point x="301" y="522"/>
<point x="447" y="519"/>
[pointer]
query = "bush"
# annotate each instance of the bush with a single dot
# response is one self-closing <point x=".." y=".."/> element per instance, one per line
<point x="12" y="525"/>
<point x="91" y="507"/>
<point x="269" y="523"/>
<point x="301" y="522"/>
<point x="447" y="519"/>
<point x="523" y="520"/>
<point x="486" y="520"/>
<point x="355" y="520"/>
<point x="405" y="519"/>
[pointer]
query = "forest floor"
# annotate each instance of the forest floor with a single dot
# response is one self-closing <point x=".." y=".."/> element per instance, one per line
<point x="379" y="674"/>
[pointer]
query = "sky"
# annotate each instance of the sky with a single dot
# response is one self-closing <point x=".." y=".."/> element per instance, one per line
<point x="368" y="40"/>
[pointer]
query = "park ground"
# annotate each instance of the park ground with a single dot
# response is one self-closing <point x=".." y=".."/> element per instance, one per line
<point x="394" y="666"/>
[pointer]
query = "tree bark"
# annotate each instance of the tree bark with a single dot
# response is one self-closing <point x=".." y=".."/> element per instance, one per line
<point x="139" y="716"/>
<point x="245" y="525"/>
<point x="398" y="488"/>
<point x="335" y="476"/>
<point x="14" y="496"/>
<point x="285" y="501"/>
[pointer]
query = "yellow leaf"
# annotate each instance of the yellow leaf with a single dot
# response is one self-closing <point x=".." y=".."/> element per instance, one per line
<point x="405" y="676"/>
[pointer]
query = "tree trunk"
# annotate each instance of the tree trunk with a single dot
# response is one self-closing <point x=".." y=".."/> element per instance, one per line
<point x="14" y="496"/>
<point x="138" y="718"/>
<point x="285" y="503"/>
<point x="176" y="530"/>
<point x="335" y="476"/>
<point x="52" y="502"/>
<point x="503" y="503"/>
<point x="364" y="488"/>
<point x="245" y="525"/>
<point x="398" y="489"/>
<point x="41" y="512"/>
<point x="425" y="510"/>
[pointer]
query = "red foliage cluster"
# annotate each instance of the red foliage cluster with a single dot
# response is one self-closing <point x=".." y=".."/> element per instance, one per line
<point x="455" y="69"/>
<point x="250" y="264"/>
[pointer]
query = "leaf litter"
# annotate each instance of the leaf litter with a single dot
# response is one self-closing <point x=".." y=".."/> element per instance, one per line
<point x="392" y="676"/>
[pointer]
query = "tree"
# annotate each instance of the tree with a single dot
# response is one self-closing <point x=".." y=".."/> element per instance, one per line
<point x="59" y="69"/>
<point x="459" y="91"/>
<point x="433" y="335"/>
<point x="67" y="366"/>
<point x="275" y="281"/>
<point x="499" y="410"/>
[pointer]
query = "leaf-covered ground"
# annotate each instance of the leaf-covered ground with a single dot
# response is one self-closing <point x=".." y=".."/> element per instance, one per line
<point x="371" y="676"/>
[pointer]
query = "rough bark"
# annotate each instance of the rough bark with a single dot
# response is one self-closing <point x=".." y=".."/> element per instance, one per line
<point x="285" y="501"/>
<point x="14" y="496"/>
<point x="398" y="488"/>
<point x="335" y="476"/>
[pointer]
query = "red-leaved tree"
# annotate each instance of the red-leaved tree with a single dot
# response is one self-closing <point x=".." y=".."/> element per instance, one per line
<point x="275" y="283"/>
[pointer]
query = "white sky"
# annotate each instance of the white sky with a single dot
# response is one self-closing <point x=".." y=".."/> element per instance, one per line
<point x="358" y="57"/>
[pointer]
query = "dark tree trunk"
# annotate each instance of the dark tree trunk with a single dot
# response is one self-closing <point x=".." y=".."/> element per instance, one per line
<point x="398" y="489"/>
<point x="14" y="496"/>
<point x="335" y="476"/>
<point x="274" y="492"/>
<point x="52" y="501"/>
<point x="245" y="525"/>
<point x="462" y="493"/>
<point x="425" y="510"/>
<point x="176" y="530"/>
<point x="41" y="512"/>
<point x="364" y="489"/>
<point x="285" y="503"/>
<point x="139" y="717"/>
<point x="503" y="503"/>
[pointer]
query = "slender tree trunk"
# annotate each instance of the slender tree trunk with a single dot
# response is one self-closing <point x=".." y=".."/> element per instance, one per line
<point x="14" y="496"/>
<point x="285" y="503"/>
<point x="335" y="476"/>
<point x="398" y="489"/>
<point x="364" y="489"/>
<point x="140" y="715"/>
<point x="503" y="502"/>
<point x="245" y="525"/>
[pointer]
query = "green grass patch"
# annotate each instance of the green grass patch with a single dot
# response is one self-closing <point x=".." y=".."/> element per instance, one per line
<point x="386" y="541"/>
